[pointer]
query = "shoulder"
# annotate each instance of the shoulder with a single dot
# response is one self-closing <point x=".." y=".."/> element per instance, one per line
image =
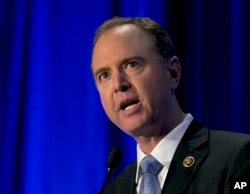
<point x="231" y="141"/>
<point x="232" y="136"/>
<point x="230" y="144"/>
<point x="218" y="139"/>
<point x="227" y="151"/>
<point x="234" y="148"/>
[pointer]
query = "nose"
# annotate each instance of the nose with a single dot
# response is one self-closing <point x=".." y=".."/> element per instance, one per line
<point x="121" y="83"/>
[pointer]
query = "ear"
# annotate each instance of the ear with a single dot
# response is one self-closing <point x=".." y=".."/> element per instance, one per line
<point x="174" y="68"/>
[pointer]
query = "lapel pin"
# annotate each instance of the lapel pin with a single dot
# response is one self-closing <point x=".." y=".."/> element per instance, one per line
<point x="188" y="161"/>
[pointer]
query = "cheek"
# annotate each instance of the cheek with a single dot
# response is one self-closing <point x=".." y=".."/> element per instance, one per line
<point x="147" y="91"/>
<point x="104" y="101"/>
<point x="148" y="87"/>
<point x="107" y="102"/>
<point x="155" y="92"/>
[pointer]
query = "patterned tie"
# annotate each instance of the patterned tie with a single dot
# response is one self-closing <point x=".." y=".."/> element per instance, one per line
<point x="149" y="183"/>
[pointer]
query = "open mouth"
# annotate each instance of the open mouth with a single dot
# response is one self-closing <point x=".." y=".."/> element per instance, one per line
<point x="129" y="104"/>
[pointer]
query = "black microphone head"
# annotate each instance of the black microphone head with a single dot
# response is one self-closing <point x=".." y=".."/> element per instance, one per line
<point x="114" y="157"/>
<point x="113" y="161"/>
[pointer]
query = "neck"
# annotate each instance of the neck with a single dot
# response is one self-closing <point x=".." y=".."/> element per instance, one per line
<point x="148" y="142"/>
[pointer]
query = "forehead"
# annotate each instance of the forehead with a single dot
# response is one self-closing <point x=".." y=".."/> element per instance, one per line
<point x="126" y="31"/>
<point x="120" y="41"/>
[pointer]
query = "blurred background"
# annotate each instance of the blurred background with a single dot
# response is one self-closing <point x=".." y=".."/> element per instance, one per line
<point x="54" y="135"/>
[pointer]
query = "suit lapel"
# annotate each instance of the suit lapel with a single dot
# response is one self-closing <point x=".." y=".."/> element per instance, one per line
<point x="192" y="146"/>
<point x="128" y="181"/>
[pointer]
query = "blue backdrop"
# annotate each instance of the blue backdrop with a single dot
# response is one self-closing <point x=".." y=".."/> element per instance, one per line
<point x="54" y="135"/>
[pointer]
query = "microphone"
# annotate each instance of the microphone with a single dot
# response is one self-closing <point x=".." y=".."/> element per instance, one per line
<point x="113" y="161"/>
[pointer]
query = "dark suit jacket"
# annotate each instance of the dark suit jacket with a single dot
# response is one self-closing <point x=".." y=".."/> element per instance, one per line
<point x="221" y="158"/>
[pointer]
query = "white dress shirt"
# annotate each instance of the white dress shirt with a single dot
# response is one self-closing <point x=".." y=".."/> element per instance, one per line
<point x="164" y="151"/>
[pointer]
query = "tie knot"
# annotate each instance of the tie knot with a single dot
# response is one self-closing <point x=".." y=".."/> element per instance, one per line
<point x="150" y="164"/>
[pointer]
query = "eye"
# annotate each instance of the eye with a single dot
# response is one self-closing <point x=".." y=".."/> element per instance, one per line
<point x="132" y="65"/>
<point x="103" y="76"/>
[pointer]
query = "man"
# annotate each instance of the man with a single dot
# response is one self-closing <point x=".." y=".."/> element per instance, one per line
<point x="136" y="72"/>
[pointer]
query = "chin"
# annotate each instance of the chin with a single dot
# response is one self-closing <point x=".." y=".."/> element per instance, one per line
<point x="135" y="125"/>
<point x="133" y="129"/>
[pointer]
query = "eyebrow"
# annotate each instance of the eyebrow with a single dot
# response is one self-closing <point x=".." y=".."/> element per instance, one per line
<point x="103" y="69"/>
<point x="138" y="58"/>
<point x="123" y="61"/>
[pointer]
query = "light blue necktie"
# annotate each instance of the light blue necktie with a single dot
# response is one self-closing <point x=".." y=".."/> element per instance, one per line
<point x="149" y="183"/>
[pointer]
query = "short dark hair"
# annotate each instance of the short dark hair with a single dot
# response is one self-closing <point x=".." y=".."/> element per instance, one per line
<point x="162" y="42"/>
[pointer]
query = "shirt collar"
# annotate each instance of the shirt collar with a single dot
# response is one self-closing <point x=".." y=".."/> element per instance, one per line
<point x="164" y="150"/>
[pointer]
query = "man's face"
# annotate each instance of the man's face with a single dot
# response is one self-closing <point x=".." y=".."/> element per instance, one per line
<point x="134" y="88"/>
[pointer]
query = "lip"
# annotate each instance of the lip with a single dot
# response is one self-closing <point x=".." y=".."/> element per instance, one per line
<point x="128" y="103"/>
<point x="131" y="108"/>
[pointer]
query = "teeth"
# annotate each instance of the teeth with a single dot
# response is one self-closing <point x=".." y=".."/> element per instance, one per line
<point x="129" y="107"/>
